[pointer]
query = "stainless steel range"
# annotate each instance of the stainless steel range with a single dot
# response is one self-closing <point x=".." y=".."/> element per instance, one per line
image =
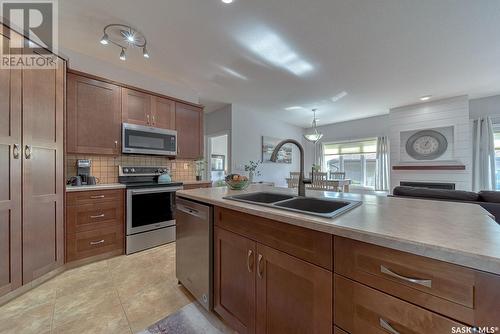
<point x="150" y="207"/>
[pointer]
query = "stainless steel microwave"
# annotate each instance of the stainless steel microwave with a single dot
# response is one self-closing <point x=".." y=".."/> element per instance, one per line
<point x="139" y="139"/>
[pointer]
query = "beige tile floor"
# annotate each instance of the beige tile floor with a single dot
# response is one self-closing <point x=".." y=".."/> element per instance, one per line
<point x="124" y="294"/>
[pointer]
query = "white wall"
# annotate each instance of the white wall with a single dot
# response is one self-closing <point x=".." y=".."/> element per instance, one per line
<point x="248" y="127"/>
<point x="351" y="130"/>
<point x="486" y="106"/>
<point x="441" y="113"/>
<point x="218" y="121"/>
<point x="98" y="67"/>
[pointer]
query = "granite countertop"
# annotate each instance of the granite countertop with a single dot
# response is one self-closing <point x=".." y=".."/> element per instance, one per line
<point x="460" y="233"/>
<point x="103" y="186"/>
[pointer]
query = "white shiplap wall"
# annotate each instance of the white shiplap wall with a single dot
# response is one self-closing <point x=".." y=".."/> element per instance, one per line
<point x="441" y="113"/>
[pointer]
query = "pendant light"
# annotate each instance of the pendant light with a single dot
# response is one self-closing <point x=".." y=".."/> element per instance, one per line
<point x="313" y="136"/>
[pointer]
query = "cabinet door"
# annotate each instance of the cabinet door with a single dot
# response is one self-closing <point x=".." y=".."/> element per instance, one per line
<point x="93" y="116"/>
<point x="10" y="175"/>
<point x="189" y="126"/>
<point x="163" y="113"/>
<point x="293" y="296"/>
<point x="43" y="175"/>
<point x="136" y="107"/>
<point x="234" y="280"/>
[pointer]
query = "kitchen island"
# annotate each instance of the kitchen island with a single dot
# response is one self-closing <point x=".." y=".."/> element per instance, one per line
<point x="391" y="265"/>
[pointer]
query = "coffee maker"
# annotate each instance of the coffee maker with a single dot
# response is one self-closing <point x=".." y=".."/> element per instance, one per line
<point x="83" y="170"/>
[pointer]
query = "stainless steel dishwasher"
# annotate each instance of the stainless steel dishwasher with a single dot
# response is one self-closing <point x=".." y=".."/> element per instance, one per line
<point x="194" y="249"/>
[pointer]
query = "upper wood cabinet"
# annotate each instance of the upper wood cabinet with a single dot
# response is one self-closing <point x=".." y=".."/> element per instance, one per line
<point x="146" y="109"/>
<point x="189" y="126"/>
<point x="136" y="107"/>
<point x="163" y="111"/>
<point x="93" y="116"/>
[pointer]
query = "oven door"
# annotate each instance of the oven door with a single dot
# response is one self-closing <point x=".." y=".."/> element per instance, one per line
<point x="150" y="208"/>
<point x="140" y="139"/>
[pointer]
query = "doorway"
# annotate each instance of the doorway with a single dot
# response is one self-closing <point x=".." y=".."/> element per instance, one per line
<point x="219" y="162"/>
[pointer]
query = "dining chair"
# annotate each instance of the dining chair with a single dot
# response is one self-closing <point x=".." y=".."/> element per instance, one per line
<point x="337" y="175"/>
<point x="293" y="181"/>
<point x="318" y="180"/>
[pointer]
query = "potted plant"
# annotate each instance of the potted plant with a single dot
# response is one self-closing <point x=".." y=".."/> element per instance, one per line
<point x="316" y="168"/>
<point x="251" y="168"/>
<point x="200" y="164"/>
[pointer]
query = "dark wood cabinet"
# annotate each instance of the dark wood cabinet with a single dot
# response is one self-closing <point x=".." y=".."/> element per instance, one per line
<point x="360" y="309"/>
<point x="93" y="116"/>
<point x="189" y="126"/>
<point x="43" y="174"/>
<point x="147" y="109"/>
<point x="259" y="289"/>
<point x="163" y="111"/>
<point x="293" y="296"/>
<point x="10" y="175"/>
<point x="95" y="222"/>
<point x="136" y="107"/>
<point x="234" y="280"/>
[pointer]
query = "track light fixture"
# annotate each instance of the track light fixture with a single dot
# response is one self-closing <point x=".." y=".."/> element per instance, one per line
<point x="124" y="37"/>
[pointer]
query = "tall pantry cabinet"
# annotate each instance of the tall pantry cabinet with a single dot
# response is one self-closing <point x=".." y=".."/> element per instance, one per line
<point x="31" y="171"/>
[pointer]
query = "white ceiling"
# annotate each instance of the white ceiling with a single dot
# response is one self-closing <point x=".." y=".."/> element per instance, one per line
<point x="268" y="55"/>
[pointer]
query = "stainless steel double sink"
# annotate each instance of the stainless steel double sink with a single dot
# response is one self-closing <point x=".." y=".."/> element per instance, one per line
<point x="323" y="207"/>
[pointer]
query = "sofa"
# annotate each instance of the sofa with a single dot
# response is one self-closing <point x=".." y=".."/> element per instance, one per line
<point x="489" y="200"/>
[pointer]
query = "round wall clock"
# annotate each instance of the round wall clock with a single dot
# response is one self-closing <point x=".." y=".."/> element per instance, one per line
<point x="426" y="145"/>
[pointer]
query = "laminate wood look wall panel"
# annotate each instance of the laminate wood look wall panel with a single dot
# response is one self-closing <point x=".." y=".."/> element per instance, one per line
<point x="10" y="174"/>
<point x="440" y="113"/>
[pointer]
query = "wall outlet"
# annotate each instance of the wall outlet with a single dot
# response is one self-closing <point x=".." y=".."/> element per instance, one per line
<point x="186" y="166"/>
<point x="173" y="167"/>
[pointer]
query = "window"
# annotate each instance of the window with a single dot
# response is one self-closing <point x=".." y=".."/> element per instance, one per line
<point x="356" y="159"/>
<point x="497" y="159"/>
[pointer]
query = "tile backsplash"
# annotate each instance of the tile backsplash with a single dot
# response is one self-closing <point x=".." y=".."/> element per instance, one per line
<point x="105" y="168"/>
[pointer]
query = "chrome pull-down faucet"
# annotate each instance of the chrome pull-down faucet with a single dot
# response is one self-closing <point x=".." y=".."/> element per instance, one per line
<point x="302" y="180"/>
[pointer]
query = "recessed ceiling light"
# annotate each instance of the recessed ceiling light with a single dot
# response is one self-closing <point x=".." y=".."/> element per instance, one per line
<point x="294" y="108"/>
<point x="339" y="96"/>
<point x="425" y="98"/>
<point x="227" y="1"/>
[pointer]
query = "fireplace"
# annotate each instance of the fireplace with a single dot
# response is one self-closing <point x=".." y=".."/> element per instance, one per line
<point x="433" y="185"/>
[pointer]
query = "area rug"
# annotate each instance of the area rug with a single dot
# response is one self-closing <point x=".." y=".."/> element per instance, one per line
<point x="191" y="319"/>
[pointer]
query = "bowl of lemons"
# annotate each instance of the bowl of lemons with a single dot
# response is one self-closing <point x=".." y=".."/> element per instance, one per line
<point x="237" y="182"/>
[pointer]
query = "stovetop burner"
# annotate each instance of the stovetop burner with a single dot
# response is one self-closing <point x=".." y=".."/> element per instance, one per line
<point x="143" y="177"/>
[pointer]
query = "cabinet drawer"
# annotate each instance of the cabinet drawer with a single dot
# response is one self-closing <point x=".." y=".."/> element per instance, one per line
<point x="93" y="216"/>
<point x="309" y="245"/>
<point x="94" y="196"/>
<point x="84" y="244"/>
<point x="442" y="287"/>
<point x="360" y="310"/>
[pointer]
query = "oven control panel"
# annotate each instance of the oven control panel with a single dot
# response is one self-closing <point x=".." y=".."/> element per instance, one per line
<point x="142" y="170"/>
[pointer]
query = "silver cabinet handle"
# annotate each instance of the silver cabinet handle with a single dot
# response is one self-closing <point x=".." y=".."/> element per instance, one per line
<point x="98" y="216"/>
<point x="249" y="256"/>
<point x="28" y="151"/>
<point x="153" y="117"/>
<point x="385" y="325"/>
<point x="260" y="271"/>
<point x="15" y="151"/>
<point x="116" y="143"/>
<point x="93" y="243"/>
<point x="147" y="116"/>
<point x="424" y="282"/>
<point x="97" y="196"/>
